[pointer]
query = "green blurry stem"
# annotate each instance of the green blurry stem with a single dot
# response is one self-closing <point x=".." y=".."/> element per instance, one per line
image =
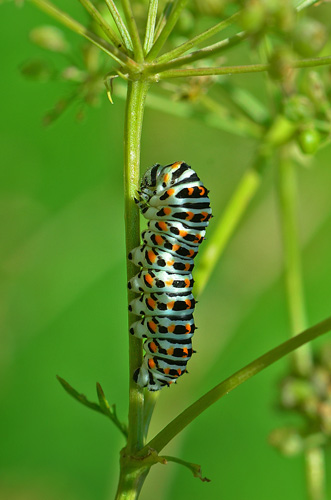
<point x="306" y="3"/>
<point x="232" y="70"/>
<point x="120" y="24"/>
<point x="302" y="358"/>
<point x="163" y="18"/>
<point x="132" y="135"/>
<point x="222" y="389"/>
<point x="150" y="25"/>
<point x="193" y="42"/>
<point x="99" y="19"/>
<point x="78" y="28"/>
<point x="315" y="473"/>
<point x="176" y="10"/>
<point x="230" y="219"/>
<point x="206" y="52"/>
<point x="302" y="361"/>
<point x="133" y="30"/>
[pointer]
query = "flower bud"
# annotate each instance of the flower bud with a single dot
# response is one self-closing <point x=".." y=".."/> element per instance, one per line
<point x="309" y="141"/>
<point x="50" y="38"/>
<point x="37" y="70"/>
<point x="309" y="37"/>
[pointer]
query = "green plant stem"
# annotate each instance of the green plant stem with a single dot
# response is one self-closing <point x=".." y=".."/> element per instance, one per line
<point x="99" y="19"/>
<point x="163" y="18"/>
<point x="232" y="70"/>
<point x="222" y="389"/>
<point x="150" y="25"/>
<point x="306" y="3"/>
<point x="120" y="24"/>
<point x="132" y="135"/>
<point x="78" y="28"/>
<point x="225" y="228"/>
<point x="302" y="360"/>
<point x="130" y="483"/>
<point x="177" y="8"/>
<point x="133" y="30"/>
<point x="206" y="52"/>
<point x="193" y="42"/>
<point x="315" y="473"/>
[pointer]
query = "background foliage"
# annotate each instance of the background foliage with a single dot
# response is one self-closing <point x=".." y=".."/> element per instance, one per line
<point x="63" y="294"/>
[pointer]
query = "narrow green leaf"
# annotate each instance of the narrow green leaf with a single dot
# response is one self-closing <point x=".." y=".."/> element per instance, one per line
<point x="193" y="42"/>
<point x="133" y="30"/>
<point x="78" y="396"/>
<point x="150" y="25"/>
<point x="120" y="24"/>
<point x="104" y="405"/>
<point x="177" y="8"/>
<point x="99" y="19"/>
<point x="72" y="24"/>
<point x="194" y="468"/>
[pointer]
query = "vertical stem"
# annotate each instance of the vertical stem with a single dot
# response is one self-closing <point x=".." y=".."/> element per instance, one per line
<point x="132" y="135"/>
<point x="315" y="473"/>
<point x="293" y="275"/>
<point x="302" y="357"/>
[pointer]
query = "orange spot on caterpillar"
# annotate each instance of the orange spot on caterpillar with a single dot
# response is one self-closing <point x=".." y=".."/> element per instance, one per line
<point x="159" y="240"/>
<point x="176" y="164"/>
<point x="185" y="351"/>
<point x="202" y="190"/>
<point x="151" y="303"/>
<point x="188" y="303"/>
<point x="179" y="371"/>
<point x="170" y="192"/>
<point x="170" y="351"/>
<point x="152" y="326"/>
<point x="151" y="363"/>
<point x="170" y="305"/>
<point x="191" y="253"/>
<point x="190" y="191"/>
<point x="166" y="371"/>
<point x="167" y="210"/>
<point x="166" y="177"/>
<point x="189" y="216"/>
<point x="149" y="279"/>
<point x="170" y="262"/>
<point x="205" y="215"/>
<point x="169" y="282"/>
<point x="187" y="267"/>
<point x="182" y="233"/>
<point x="187" y="283"/>
<point x="175" y="247"/>
<point x="163" y="225"/>
<point x="153" y="347"/>
<point x="151" y="256"/>
<point x="171" y="328"/>
<point x="188" y="328"/>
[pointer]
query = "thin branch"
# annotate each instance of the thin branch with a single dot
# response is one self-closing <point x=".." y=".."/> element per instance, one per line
<point x="99" y="19"/>
<point x="176" y="10"/>
<point x="193" y="42"/>
<point x="120" y="24"/>
<point x="78" y="28"/>
<point x="232" y="70"/>
<point x="133" y="30"/>
<point x="293" y="274"/>
<point x="150" y="25"/>
<point x="163" y="18"/>
<point x="222" y="389"/>
<point x="206" y="52"/>
<point x="307" y="3"/>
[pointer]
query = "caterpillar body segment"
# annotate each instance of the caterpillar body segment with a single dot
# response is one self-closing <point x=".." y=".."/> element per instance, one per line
<point x="176" y="204"/>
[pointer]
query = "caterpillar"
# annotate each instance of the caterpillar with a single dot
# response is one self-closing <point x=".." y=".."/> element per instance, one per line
<point x="177" y="207"/>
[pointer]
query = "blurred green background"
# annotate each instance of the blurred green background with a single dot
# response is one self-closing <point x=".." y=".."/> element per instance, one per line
<point x="63" y="294"/>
